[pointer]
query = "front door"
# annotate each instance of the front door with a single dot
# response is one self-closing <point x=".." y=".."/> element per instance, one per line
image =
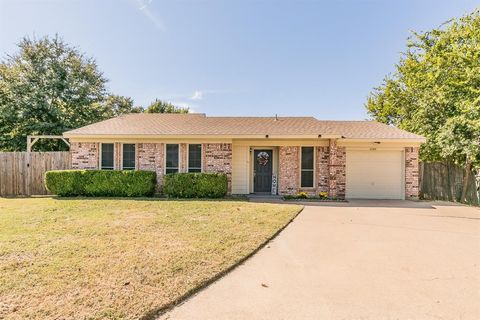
<point x="262" y="170"/>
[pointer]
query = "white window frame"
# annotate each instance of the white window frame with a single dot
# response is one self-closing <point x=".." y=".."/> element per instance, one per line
<point x="188" y="155"/>
<point x="100" y="155"/>
<point x="313" y="170"/>
<point x="121" y="156"/>
<point x="165" y="157"/>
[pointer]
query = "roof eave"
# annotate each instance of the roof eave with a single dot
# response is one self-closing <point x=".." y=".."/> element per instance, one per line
<point x="412" y="140"/>
<point x="240" y="136"/>
<point x="200" y="136"/>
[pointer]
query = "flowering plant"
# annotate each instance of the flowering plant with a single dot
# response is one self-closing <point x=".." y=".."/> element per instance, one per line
<point x="302" y="195"/>
<point x="323" y="195"/>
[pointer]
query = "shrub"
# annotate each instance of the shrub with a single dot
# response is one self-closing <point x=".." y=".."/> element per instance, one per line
<point x="96" y="183"/>
<point x="323" y="195"/>
<point x="302" y="195"/>
<point x="195" y="185"/>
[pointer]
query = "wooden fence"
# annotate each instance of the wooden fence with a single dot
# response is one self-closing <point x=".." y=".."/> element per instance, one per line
<point x="22" y="173"/>
<point x="444" y="181"/>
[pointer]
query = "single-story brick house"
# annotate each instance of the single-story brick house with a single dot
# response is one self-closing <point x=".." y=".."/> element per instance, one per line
<point x="274" y="155"/>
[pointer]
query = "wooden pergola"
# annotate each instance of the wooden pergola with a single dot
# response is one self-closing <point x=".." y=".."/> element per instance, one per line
<point x="31" y="140"/>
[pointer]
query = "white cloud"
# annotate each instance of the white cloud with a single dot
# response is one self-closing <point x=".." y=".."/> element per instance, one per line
<point x="197" y="95"/>
<point x="143" y="6"/>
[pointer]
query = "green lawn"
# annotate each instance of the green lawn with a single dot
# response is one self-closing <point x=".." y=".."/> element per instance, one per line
<point x="120" y="258"/>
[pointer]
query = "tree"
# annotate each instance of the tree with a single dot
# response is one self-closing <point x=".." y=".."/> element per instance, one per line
<point x="116" y="105"/>
<point x="435" y="92"/>
<point x="159" y="106"/>
<point x="47" y="87"/>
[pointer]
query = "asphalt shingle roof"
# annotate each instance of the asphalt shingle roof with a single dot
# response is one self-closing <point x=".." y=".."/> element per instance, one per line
<point x="199" y="124"/>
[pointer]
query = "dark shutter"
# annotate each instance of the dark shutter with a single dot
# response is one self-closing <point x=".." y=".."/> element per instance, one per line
<point x="171" y="163"/>
<point x="194" y="158"/>
<point x="107" y="156"/>
<point x="128" y="156"/>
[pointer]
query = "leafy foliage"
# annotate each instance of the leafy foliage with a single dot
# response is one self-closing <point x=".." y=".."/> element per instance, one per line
<point x="302" y="195"/>
<point x="195" y="185"/>
<point x="47" y="88"/>
<point x="97" y="183"/>
<point x="116" y="105"/>
<point x="159" y="106"/>
<point x="435" y="91"/>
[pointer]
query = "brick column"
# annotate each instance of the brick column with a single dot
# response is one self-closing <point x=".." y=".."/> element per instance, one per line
<point x="218" y="158"/>
<point x="150" y="157"/>
<point x="117" y="156"/>
<point x="323" y="156"/>
<point x="288" y="170"/>
<point x="411" y="173"/>
<point x="336" y="168"/>
<point x="84" y="155"/>
<point x="183" y="165"/>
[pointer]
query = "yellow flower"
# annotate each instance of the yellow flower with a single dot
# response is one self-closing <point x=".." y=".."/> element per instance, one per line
<point x="302" y="195"/>
<point x="323" y="195"/>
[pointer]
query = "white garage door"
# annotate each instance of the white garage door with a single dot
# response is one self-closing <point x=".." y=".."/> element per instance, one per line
<point x="374" y="174"/>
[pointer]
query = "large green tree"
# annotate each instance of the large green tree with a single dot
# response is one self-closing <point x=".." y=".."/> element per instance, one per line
<point x="159" y="106"/>
<point x="116" y="105"/>
<point x="47" y="87"/>
<point x="435" y="92"/>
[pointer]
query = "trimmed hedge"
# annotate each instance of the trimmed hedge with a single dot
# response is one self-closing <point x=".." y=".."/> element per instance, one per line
<point x="101" y="183"/>
<point x="195" y="185"/>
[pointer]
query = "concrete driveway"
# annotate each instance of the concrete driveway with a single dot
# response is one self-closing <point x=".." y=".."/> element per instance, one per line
<point x="359" y="260"/>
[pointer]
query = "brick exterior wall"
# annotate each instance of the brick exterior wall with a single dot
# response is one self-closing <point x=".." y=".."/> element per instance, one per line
<point x="84" y="155"/>
<point x="117" y="165"/>
<point x="411" y="173"/>
<point x="217" y="157"/>
<point x="330" y="171"/>
<point x="288" y="170"/>
<point x="150" y="156"/>
<point x="323" y="155"/>
<point x="336" y="169"/>
<point x="183" y="165"/>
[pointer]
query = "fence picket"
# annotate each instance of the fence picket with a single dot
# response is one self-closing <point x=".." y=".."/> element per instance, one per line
<point x="22" y="173"/>
<point x="444" y="181"/>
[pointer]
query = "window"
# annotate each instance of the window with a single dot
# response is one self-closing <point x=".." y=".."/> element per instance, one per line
<point x="307" y="167"/>
<point x="107" y="156"/>
<point x="194" y="158"/>
<point x="171" y="158"/>
<point x="128" y="157"/>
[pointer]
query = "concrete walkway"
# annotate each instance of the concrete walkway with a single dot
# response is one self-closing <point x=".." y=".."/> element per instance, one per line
<point x="356" y="260"/>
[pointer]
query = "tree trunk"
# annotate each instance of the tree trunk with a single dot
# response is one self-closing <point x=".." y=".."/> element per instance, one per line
<point x="466" y="176"/>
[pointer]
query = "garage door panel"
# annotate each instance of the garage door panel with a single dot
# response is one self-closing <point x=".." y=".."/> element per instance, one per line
<point x="374" y="174"/>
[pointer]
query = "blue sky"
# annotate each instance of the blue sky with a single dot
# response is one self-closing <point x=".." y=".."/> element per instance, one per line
<point x="246" y="57"/>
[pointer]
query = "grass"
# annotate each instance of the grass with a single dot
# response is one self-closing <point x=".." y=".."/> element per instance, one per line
<point x="120" y="258"/>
